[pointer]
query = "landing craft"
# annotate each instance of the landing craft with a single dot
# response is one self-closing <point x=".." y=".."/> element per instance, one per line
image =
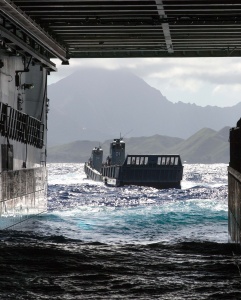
<point x="158" y="171"/>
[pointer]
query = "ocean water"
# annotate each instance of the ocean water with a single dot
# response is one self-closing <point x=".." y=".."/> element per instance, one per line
<point x="98" y="242"/>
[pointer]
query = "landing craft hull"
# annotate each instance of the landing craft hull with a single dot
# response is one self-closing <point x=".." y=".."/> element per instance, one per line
<point x="92" y="173"/>
<point x="159" y="175"/>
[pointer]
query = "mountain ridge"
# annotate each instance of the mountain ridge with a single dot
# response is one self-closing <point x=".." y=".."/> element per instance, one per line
<point x="98" y="104"/>
<point x="205" y="146"/>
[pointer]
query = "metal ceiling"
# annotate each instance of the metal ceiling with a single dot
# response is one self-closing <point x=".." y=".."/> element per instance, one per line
<point x="136" y="28"/>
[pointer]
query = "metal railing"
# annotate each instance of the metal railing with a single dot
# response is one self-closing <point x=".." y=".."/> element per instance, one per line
<point x="21" y="127"/>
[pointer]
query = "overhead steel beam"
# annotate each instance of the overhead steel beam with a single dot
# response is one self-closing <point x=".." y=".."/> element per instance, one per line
<point x="32" y="29"/>
<point x="112" y="28"/>
<point x="192" y="52"/>
<point x="18" y="42"/>
<point x="165" y="27"/>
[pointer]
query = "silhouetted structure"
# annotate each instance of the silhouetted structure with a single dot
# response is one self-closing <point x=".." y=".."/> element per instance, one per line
<point x="234" y="184"/>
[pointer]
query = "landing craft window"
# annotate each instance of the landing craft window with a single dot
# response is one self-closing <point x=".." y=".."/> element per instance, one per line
<point x="129" y="160"/>
<point x="142" y="161"/>
<point x="176" y="161"/>
<point x="137" y="160"/>
<point x="163" y="160"/>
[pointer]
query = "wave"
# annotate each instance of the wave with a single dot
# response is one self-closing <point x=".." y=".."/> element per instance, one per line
<point x="54" y="267"/>
<point x="97" y="242"/>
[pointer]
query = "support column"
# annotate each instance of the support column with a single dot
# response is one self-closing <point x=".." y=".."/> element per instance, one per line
<point x="234" y="205"/>
<point x="234" y="184"/>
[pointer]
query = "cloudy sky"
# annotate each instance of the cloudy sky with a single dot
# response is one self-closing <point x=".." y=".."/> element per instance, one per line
<point x="203" y="81"/>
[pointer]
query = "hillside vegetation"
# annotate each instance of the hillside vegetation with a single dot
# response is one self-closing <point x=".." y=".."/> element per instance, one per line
<point x="205" y="146"/>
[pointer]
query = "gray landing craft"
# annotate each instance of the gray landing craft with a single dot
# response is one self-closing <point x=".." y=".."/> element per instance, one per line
<point x="158" y="171"/>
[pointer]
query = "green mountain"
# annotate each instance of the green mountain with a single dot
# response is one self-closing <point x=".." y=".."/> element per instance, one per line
<point x="205" y="146"/>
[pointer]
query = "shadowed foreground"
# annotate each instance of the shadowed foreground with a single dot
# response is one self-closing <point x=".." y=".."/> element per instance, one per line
<point x="55" y="268"/>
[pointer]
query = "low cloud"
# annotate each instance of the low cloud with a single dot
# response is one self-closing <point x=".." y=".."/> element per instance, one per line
<point x="213" y="70"/>
<point x="183" y="74"/>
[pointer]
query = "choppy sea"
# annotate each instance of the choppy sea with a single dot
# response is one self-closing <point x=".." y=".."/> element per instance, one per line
<point x="98" y="242"/>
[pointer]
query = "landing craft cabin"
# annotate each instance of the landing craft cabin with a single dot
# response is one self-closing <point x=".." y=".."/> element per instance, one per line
<point x="158" y="171"/>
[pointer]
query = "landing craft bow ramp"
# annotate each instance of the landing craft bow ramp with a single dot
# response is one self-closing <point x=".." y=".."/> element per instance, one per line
<point x="38" y="31"/>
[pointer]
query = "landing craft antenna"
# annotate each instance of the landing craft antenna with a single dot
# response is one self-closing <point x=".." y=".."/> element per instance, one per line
<point x="126" y="133"/>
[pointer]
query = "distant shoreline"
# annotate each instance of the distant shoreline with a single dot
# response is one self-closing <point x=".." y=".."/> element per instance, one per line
<point x="206" y="146"/>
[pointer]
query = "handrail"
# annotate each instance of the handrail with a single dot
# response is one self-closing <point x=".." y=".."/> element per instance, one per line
<point x="21" y="127"/>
